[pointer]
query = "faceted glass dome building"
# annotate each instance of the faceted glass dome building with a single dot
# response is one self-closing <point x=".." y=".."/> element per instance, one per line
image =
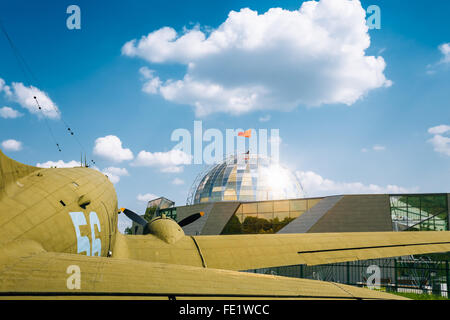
<point x="247" y="177"/>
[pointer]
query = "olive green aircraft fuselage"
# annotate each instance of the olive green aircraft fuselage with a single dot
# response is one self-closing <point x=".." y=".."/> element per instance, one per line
<point x="56" y="220"/>
<point x="71" y="210"/>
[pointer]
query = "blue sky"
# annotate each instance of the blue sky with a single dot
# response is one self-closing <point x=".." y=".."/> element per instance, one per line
<point x="336" y="143"/>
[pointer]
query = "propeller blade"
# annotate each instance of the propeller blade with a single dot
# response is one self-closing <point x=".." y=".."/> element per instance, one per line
<point x="134" y="217"/>
<point x="191" y="218"/>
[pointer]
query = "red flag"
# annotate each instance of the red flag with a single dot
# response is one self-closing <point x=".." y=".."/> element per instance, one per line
<point x="245" y="134"/>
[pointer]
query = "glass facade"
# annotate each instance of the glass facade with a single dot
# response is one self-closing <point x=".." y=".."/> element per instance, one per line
<point x="169" y="212"/>
<point x="419" y="212"/>
<point x="247" y="177"/>
<point x="266" y="216"/>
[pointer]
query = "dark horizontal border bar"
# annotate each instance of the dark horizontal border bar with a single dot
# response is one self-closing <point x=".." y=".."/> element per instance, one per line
<point x="375" y="247"/>
<point x="171" y="295"/>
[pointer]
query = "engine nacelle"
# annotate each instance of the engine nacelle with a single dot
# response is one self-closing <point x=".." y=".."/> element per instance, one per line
<point x="165" y="229"/>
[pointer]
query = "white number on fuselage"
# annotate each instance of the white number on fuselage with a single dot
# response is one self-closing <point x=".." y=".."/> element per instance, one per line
<point x="83" y="243"/>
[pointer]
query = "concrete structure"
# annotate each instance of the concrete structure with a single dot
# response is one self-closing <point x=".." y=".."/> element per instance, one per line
<point x="347" y="213"/>
<point x="249" y="193"/>
<point x="343" y="213"/>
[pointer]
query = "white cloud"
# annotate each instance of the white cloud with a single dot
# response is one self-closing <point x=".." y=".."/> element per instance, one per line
<point x="12" y="145"/>
<point x="177" y="181"/>
<point x="164" y="45"/>
<point x="378" y="148"/>
<point x="445" y="50"/>
<point x="146" y="197"/>
<point x="264" y="118"/>
<point x="152" y="83"/>
<point x="171" y="161"/>
<point x="5" y="88"/>
<point x="115" y="173"/>
<point x="24" y="96"/>
<point x="439" y="129"/>
<point x="172" y="169"/>
<point x="7" y="112"/>
<point x="110" y="148"/>
<point x="276" y="60"/>
<point x="441" y="143"/>
<point x="316" y="185"/>
<point x="59" y="164"/>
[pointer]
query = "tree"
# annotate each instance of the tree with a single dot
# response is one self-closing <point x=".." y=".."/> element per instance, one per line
<point x="233" y="226"/>
<point x="150" y="213"/>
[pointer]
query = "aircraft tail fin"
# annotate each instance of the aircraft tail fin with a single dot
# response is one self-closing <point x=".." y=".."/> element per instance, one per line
<point x="11" y="170"/>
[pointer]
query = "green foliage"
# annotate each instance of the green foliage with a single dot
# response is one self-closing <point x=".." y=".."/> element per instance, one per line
<point x="149" y="213"/>
<point x="254" y="225"/>
<point x="413" y="296"/>
<point x="433" y="204"/>
<point x="128" y="230"/>
<point x="233" y="226"/>
<point x="277" y="225"/>
<point x="431" y="209"/>
<point x="417" y="296"/>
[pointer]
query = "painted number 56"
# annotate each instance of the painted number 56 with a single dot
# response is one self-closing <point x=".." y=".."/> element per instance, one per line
<point x="83" y="243"/>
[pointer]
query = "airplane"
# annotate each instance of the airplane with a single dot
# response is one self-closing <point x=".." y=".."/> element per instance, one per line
<point x="59" y="239"/>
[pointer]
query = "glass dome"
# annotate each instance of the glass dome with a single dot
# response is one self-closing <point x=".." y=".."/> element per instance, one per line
<point x="247" y="177"/>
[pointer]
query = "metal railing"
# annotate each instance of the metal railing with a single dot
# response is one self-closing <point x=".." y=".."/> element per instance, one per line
<point x="403" y="275"/>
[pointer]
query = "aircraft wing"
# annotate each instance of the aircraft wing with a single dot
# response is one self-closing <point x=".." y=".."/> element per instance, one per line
<point x="244" y="252"/>
<point x="27" y="271"/>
